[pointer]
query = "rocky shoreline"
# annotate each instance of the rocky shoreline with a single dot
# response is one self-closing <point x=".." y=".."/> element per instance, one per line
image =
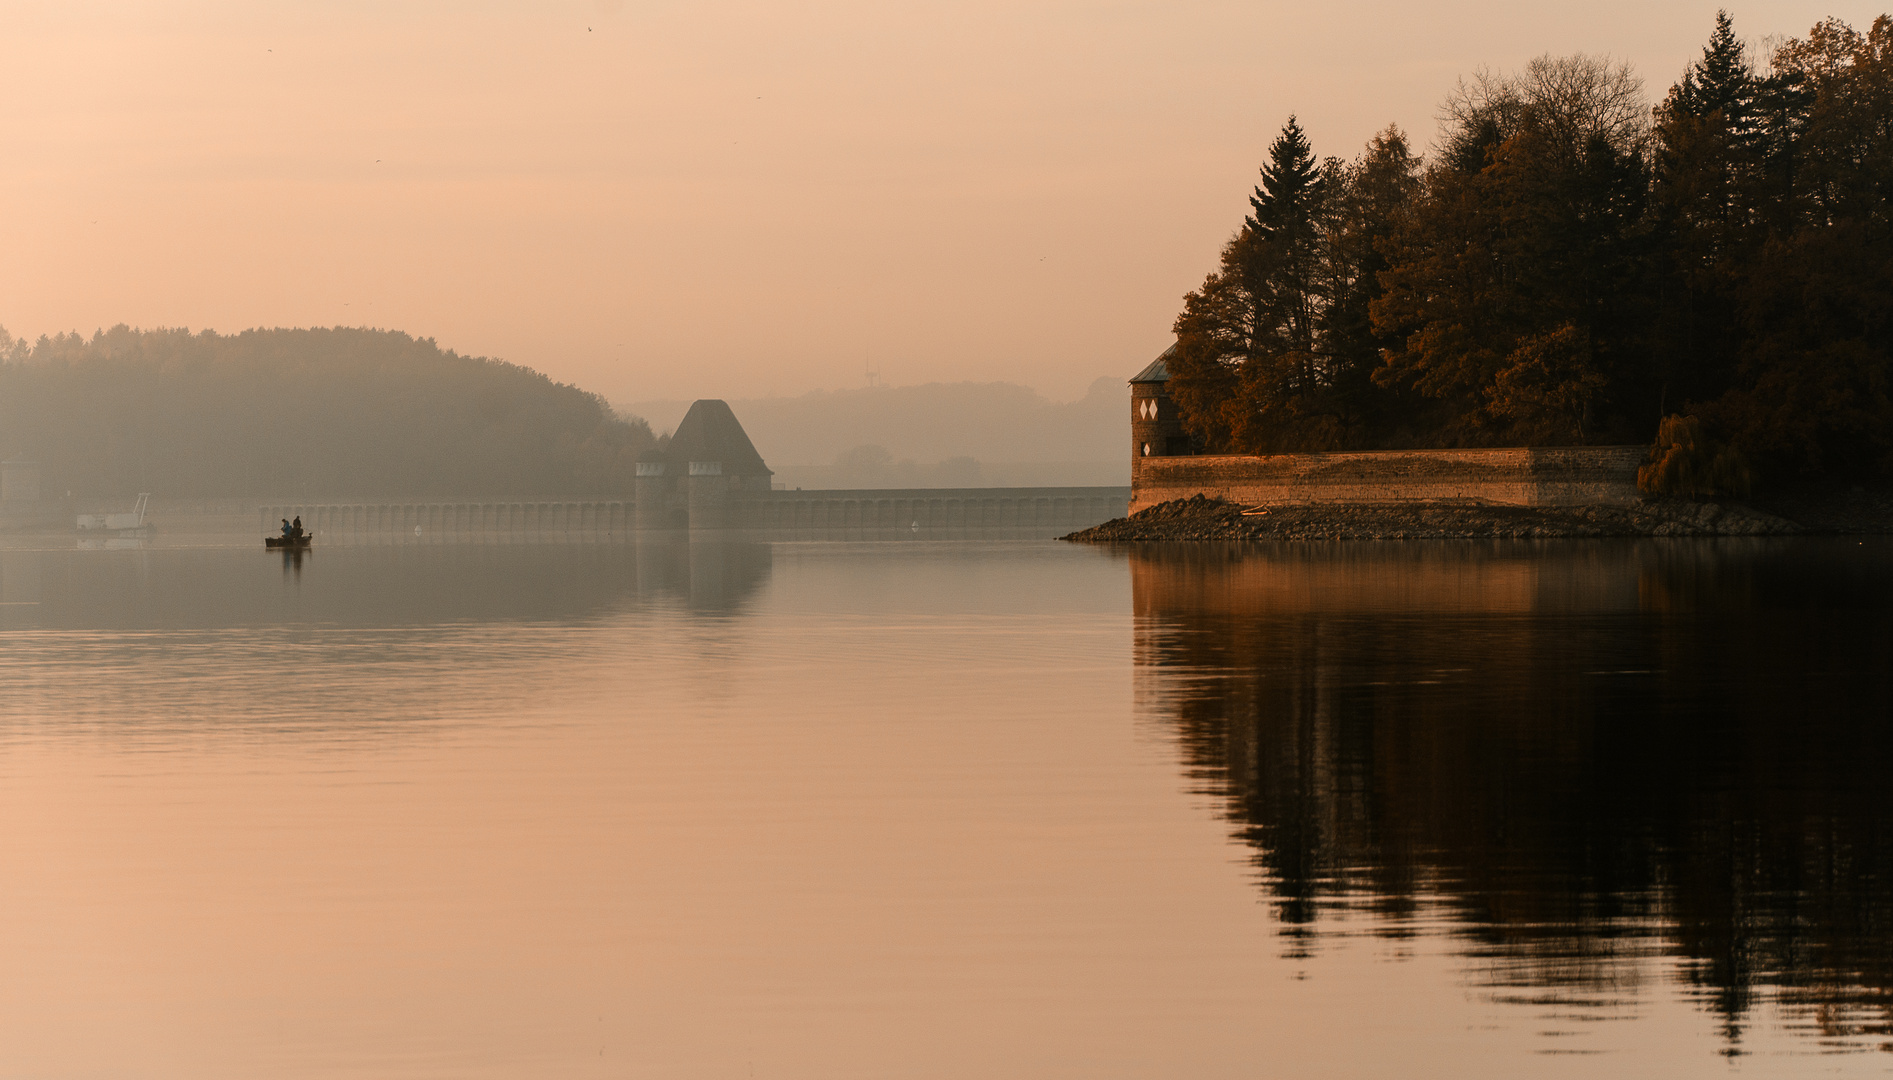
<point x="1200" y="518"/>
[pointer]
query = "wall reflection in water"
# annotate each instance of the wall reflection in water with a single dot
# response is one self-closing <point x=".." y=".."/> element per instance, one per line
<point x="1566" y="757"/>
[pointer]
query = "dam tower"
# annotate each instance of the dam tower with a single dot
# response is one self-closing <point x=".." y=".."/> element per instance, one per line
<point x="700" y="476"/>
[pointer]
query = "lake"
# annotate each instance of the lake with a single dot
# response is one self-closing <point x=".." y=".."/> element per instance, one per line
<point x="917" y="809"/>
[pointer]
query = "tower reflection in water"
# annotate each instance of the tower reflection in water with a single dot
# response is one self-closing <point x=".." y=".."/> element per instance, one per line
<point x="1568" y="759"/>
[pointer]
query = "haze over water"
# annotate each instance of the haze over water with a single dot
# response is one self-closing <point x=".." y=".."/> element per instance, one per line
<point x="917" y="809"/>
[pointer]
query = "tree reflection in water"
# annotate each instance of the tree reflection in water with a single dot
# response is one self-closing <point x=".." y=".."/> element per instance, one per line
<point x="1566" y="756"/>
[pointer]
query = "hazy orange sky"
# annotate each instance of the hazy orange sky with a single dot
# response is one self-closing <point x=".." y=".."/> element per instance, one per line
<point x="667" y="199"/>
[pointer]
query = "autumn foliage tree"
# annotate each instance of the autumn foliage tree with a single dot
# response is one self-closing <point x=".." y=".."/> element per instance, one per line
<point x="1571" y="265"/>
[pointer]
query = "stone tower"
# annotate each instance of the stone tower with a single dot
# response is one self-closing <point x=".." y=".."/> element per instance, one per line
<point x="1156" y="429"/>
<point x="704" y="472"/>
<point x="653" y="492"/>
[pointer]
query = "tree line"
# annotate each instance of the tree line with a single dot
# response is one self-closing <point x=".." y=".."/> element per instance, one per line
<point x="337" y="412"/>
<point x="1571" y="265"/>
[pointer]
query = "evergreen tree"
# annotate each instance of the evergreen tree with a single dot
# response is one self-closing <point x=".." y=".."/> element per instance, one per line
<point x="1246" y="371"/>
<point x="1286" y="201"/>
<point x="1286" y="207"/>
<point x="1721" y="82"/>
<point x="1706" y="194"/>
<point x="1812" y="386"/>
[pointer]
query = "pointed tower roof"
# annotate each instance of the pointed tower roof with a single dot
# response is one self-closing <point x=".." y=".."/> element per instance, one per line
<point x="1159" y="369"/>
<point x="710" y="432"/>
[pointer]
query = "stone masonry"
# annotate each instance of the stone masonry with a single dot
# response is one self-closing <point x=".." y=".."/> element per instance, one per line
<point x="1164" y="467"/>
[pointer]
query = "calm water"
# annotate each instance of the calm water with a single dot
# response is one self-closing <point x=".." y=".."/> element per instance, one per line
<point x="948" y="810"/>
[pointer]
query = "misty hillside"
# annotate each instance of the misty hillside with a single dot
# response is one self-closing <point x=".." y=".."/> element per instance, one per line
<point x="939" y="434"/>
<point x="318" y="412"/>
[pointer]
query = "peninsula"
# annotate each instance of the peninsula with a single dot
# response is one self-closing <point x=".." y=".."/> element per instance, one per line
<point x="1578" y="315"/>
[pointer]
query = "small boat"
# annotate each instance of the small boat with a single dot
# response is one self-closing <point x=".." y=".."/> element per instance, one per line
<point x="288" y="541"/>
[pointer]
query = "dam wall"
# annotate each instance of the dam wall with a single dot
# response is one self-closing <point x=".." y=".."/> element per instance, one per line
<point x="1066" y="508"/>
<point x="1519" y="476"/>
<point x="485" y="518"/>
<point x="934" y="511"/>
<point x="709" y="479"/>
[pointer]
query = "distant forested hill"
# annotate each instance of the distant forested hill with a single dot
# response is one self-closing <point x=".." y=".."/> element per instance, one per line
<point x="338" y="412"/>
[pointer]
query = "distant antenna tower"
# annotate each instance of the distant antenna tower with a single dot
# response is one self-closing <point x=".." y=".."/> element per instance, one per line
<point x="873" y="373"/>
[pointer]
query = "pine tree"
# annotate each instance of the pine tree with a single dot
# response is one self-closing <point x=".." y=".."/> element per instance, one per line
<point x="1290" y="193"/>
<point x="1721" y="81"/>
<point x="1287" y="206"/>
<point x="1708" y="184"/>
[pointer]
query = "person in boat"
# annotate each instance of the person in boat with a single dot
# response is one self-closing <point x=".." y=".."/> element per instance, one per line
<point x="286" y="533"/>
<point x="296" y="527"/>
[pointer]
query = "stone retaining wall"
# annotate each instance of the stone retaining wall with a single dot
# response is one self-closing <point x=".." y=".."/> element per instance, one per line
<point x="1520" y="476"/>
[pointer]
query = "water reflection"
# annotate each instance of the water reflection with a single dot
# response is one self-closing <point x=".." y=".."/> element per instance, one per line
<point x="345" y="645"/>
<point x="1570" y="758"/>
<point x="369" y="586"/>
